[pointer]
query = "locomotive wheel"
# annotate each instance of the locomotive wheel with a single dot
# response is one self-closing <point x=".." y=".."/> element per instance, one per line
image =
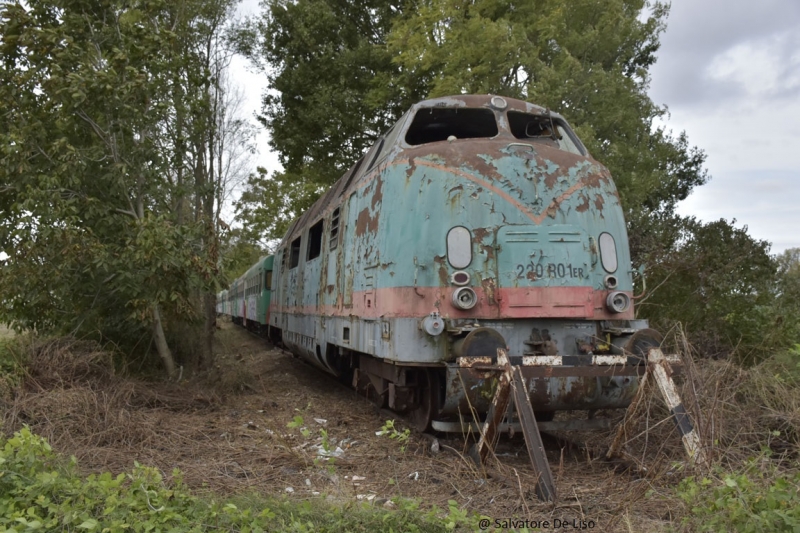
<point x="427" y="400"/>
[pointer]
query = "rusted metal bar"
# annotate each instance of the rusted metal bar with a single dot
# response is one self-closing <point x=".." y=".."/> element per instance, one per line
<point x="658" y="366"/>
<point x="557" y="425"/>
<point x="545" y="486"/>
<point x="573" y="371"/>
<point x="497" y="411"/>
<point x="512" y="383"/>
<point x="691" y="440"/>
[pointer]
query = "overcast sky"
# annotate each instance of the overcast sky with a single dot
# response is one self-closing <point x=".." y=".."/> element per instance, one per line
<point x="729" y="72"/>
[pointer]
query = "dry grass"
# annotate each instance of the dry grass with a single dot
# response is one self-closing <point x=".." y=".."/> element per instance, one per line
<point x="5" y="332"/>
<point x="228" y="433"/>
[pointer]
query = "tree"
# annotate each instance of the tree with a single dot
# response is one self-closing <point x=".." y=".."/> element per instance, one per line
<point x="331" y="95"/>
<point x="788" y="300"/>
<point x="720" y="284"/>
<point x="110" y="164"/>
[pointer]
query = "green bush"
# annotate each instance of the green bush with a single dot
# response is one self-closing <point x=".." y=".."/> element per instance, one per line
<point x="11" y="365"/>
<point x="758" y="499"/>
<point x="41" y="491"/>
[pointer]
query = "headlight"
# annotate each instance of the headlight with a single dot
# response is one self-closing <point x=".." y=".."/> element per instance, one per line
<point x="618" y="302"/>
<point x="464" y="298"/>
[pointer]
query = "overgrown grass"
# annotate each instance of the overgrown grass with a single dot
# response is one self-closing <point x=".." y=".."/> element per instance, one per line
<point x="751" y="422"/>
<point x="41" y="491"/>
<point x="11" y="363"/>
<point x="759" y="497"/>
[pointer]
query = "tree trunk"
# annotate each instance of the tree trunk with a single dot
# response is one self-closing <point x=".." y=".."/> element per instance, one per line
<point x="161" y="343"/>
<point x="210" y="311"/>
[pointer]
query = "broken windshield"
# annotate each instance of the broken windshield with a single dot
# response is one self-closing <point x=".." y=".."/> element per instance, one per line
<point x="434" y="124"/>
<point x="544" y="129"/>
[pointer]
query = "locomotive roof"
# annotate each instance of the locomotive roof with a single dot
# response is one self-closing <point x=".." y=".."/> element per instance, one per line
<point x="466" y="101"/>
<point x="483" y="100"/>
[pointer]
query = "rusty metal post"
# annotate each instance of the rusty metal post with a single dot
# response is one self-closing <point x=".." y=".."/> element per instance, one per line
<point x="658" y="366"/>
<point x="545" y="486"/>
<point x="497" y="411"/>
<point x="512" y="383"/>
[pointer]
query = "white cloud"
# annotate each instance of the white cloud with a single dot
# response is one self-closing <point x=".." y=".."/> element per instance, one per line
<point x="766" y="67"/>
<point x="729" y="70"/>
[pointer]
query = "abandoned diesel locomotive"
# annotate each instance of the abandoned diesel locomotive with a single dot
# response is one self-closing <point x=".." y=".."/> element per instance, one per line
<point x="475" y="223"/>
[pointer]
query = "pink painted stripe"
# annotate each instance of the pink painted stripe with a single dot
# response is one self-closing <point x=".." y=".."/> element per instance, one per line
<point x="527" y="302"/>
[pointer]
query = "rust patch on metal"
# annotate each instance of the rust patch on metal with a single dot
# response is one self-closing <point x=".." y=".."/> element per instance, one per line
<point x="584" y="206"/>
<point x="599" y="202"/>
<point x="478" y="234"/>
<point x="412" y="167"/>
<point x="551" y="180"/>
<point x="469" y="362"/>
<point x="489" y="286"/>
<point x="330" y="288"/>
<point x="377" y="196"/>
<point x="442" y="270"/>
<point x="366" y="223"/>
<point x="531" y="275"/>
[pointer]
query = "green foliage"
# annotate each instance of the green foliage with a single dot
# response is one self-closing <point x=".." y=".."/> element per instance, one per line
<point x="12" y="365"/>
<point x="241" y="248"/>
<point x="298" y="423"/>
<point x="268" y="204"/>
<point x="107" y="205"/>
<point x="400" y="436"/>
<point x="39" y="491"/>
<point x="787" y="306"/>
<point x="757" y="499"/>
<point x="322" y="60"/>
<point x="722" y="285"/>
<point x="331" y="95"/>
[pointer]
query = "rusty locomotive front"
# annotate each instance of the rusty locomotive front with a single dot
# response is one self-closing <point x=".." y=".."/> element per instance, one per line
<point x="474" y="223"/>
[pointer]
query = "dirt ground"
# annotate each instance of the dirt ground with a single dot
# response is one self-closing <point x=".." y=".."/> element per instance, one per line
<point x="269" y="422"/>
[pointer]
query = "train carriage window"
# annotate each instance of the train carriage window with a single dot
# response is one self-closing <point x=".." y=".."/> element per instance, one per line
<point x="268" y="280"/>
<point x="314" y="241"/>
<point x="434" y="124"/>
<point x="294" y="255"/>
<point x="334" y="238"/>
<point x="543" y="129"/>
